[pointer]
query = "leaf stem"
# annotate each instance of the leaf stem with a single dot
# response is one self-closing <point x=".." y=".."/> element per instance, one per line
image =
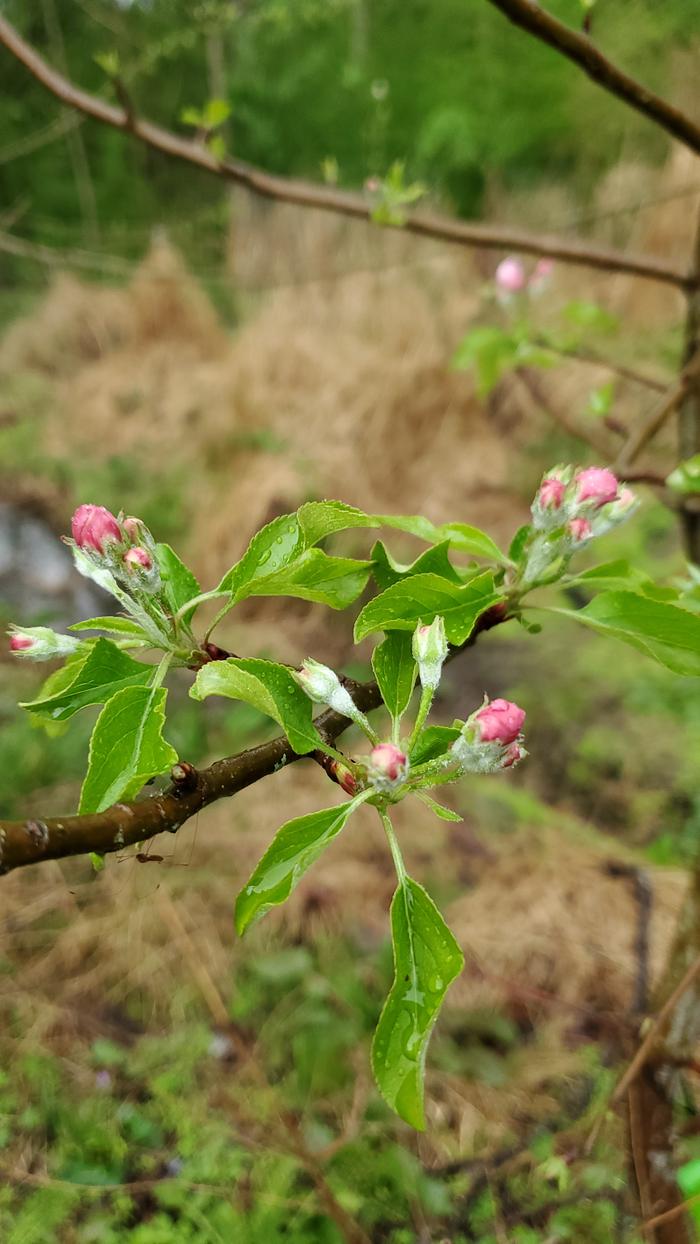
<point x="395" y="848"/>
<point x="161" y="670"/>
<point x="196" y="601"/>
<point x="426" y="700"/>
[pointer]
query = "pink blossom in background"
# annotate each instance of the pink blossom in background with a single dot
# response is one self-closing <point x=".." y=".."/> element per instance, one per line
<point x="500" y="721"/>
<point x="541" y="275"/>
<point x="510" y="276"/>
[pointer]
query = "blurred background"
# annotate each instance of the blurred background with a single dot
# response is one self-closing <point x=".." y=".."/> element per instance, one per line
<point x="207" y="360"/>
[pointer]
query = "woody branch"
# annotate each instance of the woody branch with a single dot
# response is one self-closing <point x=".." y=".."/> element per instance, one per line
<point x="328" y="198"/>
<point x="124" y="824"/>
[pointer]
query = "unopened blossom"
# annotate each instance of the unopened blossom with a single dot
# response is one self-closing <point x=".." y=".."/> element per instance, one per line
<point x="499" y="721"/>
<point x="510" y="276"/>
<point x="596" y="484"/>
<point x="138" y="559"/>
<point x="93" y="527"/>
<point x="579" y="529"/>
<point x="514" y="753"/>
<point x="388" y="766"/>
<point x="430" y="650"/>
<point x="20" y="642"/>
<point x="344" y="777"/>
<point x="551" y="493"/>
<point x="40" y="643"/>
<point x="323" y="686"/>
<point x="541" y="276"/>
<point x="490" y="738"/>
<point x="134" y="528"/>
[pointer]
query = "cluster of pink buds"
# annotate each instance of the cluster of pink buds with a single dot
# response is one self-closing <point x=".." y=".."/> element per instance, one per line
<point x="491" y="739"/>
<point x="121" y="546"/>
<point x="578" y="505"/>
<point x="511" y="278"/>
<point x="40" y="643"/>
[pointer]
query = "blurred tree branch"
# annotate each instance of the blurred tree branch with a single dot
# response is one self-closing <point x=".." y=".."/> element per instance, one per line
<point x="328" y="198"/>
<point x="584" y="53"/>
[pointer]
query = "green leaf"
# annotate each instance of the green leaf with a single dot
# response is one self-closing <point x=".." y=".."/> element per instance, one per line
<point x="445" y="814"/>
<point x="127" y="747"/>
<point x="271" y="548"/>
<point x="669" y="634"/>
<point x="295" y="847"/>
<point x="490" y="351"/>
<point x="123" y="628"/>
<point x="517" y="544"/>
<point x="106" y="671"/>
<point x="434" y="741"/>
<point x="192" y="116"/>
<point x="600" y="400"/>
<point x="108" y="63"/>
<point x="332" y="581"/>
<point x="426" y="961"/>
<point x="424" y="596"/>
<point x="434" y="561"/>
<point x="268" y="687"/>
<point x="178" y="580"/>
<point x="685" y="480"/>
<point x="318" y="519"/>
<point x="395" y="671"/>
<point x="590" y="317"/>
<point x="608" y="575"/>
<point x="216" y="111"/>
<point x="461" y="536"/>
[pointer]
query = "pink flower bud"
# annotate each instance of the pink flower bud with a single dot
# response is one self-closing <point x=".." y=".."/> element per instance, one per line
<point x="510" y="276"/>
<point x="133" y="528"/>
<point x="20" y="643"/>
<point x="93" y="526"/>
<point x="579" y="529"/>
<point x="388" y="761"/>
<point x="344" y="777"/>
<point x="541" y="276"/>
<point x="138" y="559"/>
<point x="551" y="493"/>
<point x="499" y="721"/>
<point x="596" y="484"/>
<point x="514" y="754"/>
<point x="543" y="269"/>
<point x="372" y="185"/>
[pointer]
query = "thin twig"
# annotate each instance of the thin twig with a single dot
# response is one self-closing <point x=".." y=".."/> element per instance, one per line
<point x="649" y="1041"/>
<point x="580" y="355"/>
<point x="670" y="1214"/>
<point x="579" y="49"/>
<point x="329" y="198"/>
<point x="656" y="419"/>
